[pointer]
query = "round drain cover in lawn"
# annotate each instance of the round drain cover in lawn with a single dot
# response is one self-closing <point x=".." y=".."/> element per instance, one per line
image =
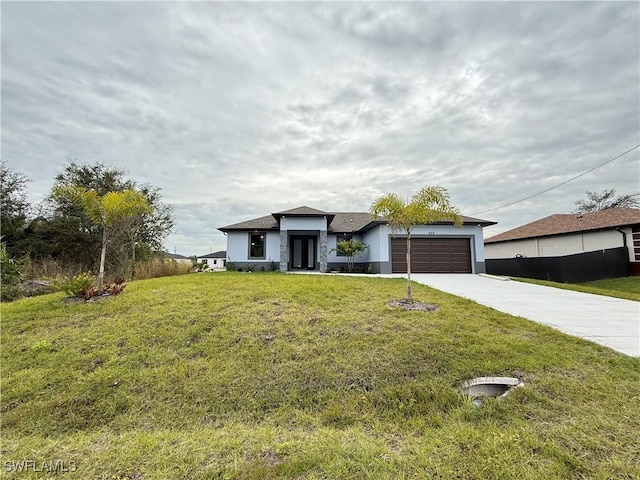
<point x="489" y="386"/>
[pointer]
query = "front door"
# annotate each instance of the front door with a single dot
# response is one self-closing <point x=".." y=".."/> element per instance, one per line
<point x="303" y="253"/>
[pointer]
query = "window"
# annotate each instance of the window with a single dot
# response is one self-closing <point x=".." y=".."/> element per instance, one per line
<point x="256" y="245"/>
<point x="342" y="238"/>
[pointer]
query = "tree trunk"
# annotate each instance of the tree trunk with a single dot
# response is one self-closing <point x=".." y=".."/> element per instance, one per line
<point x="133" y="257"/>
<point x="103" y="255"/>
<point x="409" y="296"/>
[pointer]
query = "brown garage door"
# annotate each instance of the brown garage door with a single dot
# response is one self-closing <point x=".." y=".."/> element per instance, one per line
<point x="432" y="255"/>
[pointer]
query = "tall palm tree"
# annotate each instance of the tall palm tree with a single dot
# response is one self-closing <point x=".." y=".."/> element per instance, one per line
<point x="428" y="205"/>
<point x="107" y="211"/>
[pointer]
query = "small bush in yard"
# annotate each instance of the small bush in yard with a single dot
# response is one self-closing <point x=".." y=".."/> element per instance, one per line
<point x="11" y="269"/>
<point x="201" y="266"/>
<point x="115" y="288"/>
<point x="88" y="292"/>
<point x="9" y="293"/>
<point x="76" y="286"/>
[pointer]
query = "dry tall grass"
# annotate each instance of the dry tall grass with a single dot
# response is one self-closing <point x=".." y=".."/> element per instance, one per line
<point x="50" y="268"/>
<point x="157" y="267"/>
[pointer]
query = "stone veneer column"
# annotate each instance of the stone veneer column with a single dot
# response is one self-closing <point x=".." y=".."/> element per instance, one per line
<point x="284" y="250"/>
<point x="323" y="251"/>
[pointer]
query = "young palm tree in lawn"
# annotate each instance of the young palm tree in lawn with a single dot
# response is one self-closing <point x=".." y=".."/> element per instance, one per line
<point x="107" y="211"/>
<point x="429" y="205"/>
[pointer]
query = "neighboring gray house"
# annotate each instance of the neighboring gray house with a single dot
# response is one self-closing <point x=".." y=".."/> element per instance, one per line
<point x="303" y="239"/>
<point x="215" y="261"/>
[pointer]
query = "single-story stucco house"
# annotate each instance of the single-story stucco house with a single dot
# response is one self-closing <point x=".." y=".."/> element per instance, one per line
<point x="215" y="260"/>
<point x="179" y="258"/>
<point x="305" y="238"/>
<point x="569" y="234"/>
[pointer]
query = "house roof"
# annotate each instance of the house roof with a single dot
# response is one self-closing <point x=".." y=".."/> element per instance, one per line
<point x="560" y="224"/>
<point x="220" y="254"/>
<point x="338" y="222"/>
<point x="348" y="222"/>
<point x="177" y="256"/>
<point x="268" y="222"/>
<point x="302" y="211"/>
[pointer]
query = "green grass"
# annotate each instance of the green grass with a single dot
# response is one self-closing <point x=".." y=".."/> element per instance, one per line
<point x="258" y="376"/>
<point x="627" y="288"/>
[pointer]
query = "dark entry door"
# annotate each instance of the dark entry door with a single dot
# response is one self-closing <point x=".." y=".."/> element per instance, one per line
<point x="303" y="252"/>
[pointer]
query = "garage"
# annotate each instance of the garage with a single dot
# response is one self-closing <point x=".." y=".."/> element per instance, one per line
<point x="432" y="255"/>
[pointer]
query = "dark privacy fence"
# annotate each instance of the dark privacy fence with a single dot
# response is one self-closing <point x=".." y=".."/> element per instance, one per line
<point x="582" y="267"/>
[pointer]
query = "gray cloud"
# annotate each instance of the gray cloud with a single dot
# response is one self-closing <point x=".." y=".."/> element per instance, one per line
<point x="237" y="110"/>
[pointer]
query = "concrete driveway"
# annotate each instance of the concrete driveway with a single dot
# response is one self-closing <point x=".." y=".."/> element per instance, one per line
<point x="608" y="321"/>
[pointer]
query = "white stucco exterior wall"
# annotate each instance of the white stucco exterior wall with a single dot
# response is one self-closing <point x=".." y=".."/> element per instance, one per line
<point x="526" y="248"/>
<point x="560" y="245"/>
<point x="238" y="247"/>
<point x="332" y="257"/>
<point x="303" y="223"/>
<point x="214" y="263"/>
<point x="272" y="252"/>
<point x="377" y="239"/>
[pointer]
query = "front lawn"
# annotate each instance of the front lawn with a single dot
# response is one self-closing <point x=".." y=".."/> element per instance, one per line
<point x="621" y="284"/>
<point x="627" y="288"/>
<point x="254" y="376"/>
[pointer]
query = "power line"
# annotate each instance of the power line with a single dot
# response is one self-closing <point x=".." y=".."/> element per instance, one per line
<point x="558" y="185"/>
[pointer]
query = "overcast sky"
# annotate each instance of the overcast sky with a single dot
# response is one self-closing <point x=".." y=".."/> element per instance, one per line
<point x="238" y="110"/>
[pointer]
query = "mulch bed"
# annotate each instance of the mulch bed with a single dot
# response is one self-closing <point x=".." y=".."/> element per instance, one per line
<point x="415" y="305"/>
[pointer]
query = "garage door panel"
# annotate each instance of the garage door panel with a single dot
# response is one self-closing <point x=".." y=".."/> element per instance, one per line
<point x="432" y="255"/>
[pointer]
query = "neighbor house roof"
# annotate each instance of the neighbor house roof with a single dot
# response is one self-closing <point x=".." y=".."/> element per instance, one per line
<point x="562" y="224"/>
<point x="338" y="222"/>
<point x="177" y="256"/>
<point x="220" y="254"/>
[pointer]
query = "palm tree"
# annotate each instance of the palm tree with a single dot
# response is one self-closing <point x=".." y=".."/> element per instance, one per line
<point x="428" y="205"/>
<point x="350" y="248"/>
<point x="107" y="211"/>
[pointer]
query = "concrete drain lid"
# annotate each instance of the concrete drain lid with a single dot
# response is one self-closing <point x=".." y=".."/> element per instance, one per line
<point x="489" y="386"/>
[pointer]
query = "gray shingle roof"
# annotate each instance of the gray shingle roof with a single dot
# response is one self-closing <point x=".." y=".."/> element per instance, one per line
<point x="177" y="256"/>
<point x="220" y="254"/>
<point x="339" y="222"/>
<point x="348" y="222"/>
<point x="479" y="221"/>
<point x="263" y="223"/>
<point x="303" y="211"/>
